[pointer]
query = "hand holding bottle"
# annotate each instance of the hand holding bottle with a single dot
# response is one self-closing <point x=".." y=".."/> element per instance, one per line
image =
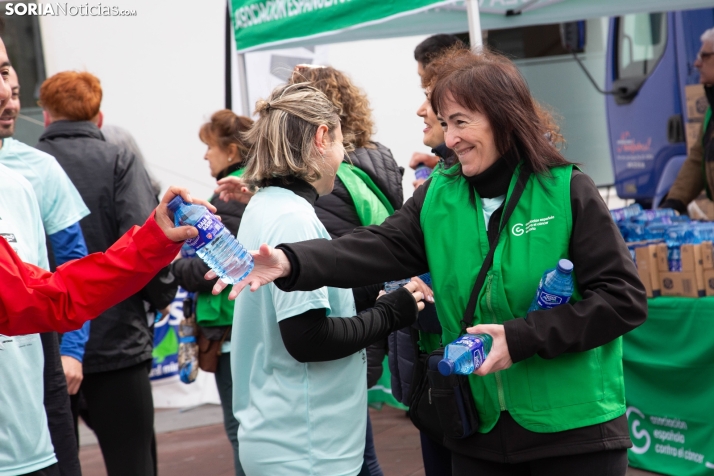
<point x="499" y="358"/>
<point x="165" y="220"/>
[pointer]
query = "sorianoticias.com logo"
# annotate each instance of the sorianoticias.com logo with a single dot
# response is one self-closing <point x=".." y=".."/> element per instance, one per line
<point x="66" y="9"/>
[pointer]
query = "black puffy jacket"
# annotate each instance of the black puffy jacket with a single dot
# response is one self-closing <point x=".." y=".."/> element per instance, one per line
<point x="337" y="212"/>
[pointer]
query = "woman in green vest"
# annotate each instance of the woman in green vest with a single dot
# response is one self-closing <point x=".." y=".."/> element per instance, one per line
<point x="550" y="396"/>
<point x="225" y="155"/>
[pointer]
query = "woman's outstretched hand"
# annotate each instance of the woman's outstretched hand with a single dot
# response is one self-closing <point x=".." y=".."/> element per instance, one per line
<point x="499" y="358"/>
<point x="165" y="219"/>
<point x="416" y="292"/>
<point x="269" y="264"/>
<point x="233" y="188"/>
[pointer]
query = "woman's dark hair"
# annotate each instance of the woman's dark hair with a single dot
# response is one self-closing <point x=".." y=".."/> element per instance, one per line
<point x="435" y="45"/>
<point x="225" y="128"/>
<point x="492" y="85"/>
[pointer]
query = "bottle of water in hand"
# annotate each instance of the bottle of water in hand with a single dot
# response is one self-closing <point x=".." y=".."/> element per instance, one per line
<point x="214" y="244"/>
<point x="555" y="288"/>
<point x="465" y="354"/>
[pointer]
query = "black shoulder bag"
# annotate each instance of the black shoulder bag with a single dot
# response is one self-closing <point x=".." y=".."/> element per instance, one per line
<point x="443" y="407"/>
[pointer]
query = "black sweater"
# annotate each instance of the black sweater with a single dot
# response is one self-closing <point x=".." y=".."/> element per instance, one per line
<point x="613" y="303"/>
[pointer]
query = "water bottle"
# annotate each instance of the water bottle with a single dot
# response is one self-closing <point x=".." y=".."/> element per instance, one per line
<point x="555" y="287"/>
<point x="390" y="286"/>
<point x="188" y="346"/>
<point x="422" y="172"/>
<point x="214" y="244"/>
<point x="620" y="214"/>
<point x="426" y="277"/>
<point x="465" y="354"/>
<point x="675" y="237"/>
<point x="187" y="251"/>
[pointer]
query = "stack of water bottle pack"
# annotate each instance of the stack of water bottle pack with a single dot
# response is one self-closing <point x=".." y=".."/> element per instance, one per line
<point x="673" y="254"/>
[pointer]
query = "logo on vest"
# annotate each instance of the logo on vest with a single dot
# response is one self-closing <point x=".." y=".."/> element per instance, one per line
<point x="521" y="229"/>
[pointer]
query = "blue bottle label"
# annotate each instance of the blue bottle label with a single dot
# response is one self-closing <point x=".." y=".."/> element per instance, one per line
<point x="208" y="228"/>
<point x="548" y="300"/>
<point x="475" y="345"/>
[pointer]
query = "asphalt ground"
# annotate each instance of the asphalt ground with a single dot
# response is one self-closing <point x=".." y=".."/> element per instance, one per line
<point x="192" y="441"/>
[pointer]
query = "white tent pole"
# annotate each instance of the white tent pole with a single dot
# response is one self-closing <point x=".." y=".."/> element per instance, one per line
<point x="243" y="85"/>
<point x="474" y="23"/>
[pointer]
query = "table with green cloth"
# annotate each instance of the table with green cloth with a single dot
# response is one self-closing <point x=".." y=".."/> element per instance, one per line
<point x="669" y="387"/>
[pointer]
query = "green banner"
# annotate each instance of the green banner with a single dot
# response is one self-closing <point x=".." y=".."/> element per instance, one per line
<point x="669" y="384"/>
<point x="274" y="22"/>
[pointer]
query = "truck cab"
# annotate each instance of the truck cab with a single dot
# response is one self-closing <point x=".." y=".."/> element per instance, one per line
<point x="650" y="64"/>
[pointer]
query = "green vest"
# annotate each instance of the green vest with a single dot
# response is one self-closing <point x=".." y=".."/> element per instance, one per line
<point x="545" y="396"/>
<point x="215" y="311"/>
<point x="371" y="204"/>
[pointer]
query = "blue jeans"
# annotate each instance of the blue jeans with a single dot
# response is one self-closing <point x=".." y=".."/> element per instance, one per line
<point x="224" y="382"/>
<point x="370" y="454"/>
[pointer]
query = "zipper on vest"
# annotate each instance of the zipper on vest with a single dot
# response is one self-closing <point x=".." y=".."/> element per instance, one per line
<point x="499" y="382"/>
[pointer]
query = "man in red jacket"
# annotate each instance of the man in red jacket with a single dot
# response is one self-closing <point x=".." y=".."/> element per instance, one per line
<point x="34" y="300"/>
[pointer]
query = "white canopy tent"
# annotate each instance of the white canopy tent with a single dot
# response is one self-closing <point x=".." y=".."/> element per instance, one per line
<point x="268" y="24"/>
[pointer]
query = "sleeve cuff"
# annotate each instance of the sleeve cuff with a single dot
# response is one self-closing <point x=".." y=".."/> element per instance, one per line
<point x="521" y="344"/>
<point x="288" y="283"/>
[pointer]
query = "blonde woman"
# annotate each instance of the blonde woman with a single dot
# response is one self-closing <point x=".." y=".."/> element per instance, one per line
<point x="298" y="358"/>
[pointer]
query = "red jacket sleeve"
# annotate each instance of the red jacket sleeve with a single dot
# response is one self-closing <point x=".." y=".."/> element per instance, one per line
<point x="34" y="300"/>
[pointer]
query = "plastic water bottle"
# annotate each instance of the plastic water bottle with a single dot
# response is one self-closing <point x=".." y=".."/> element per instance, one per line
<point x="214" y="244"/>
<point x="422" y="172"/>
<point x="390" y="286"/>
<point x="675" y="237"/>
<point x="555" y="287"/>
<point x="465" y="354"/>
<point x="620" y="214"/>
<point x="188" y="346"/>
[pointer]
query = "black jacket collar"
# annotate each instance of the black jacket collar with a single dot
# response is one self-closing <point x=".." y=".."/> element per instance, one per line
<point x="229" y="170"/>
<point x="495" y="180"/>
<point x="709" y="91"/>
<point x="72" y="129"/>
<point x="298" y="186"/>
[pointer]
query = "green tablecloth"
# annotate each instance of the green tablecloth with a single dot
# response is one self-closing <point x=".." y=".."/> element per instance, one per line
<point x="669" y="387"/>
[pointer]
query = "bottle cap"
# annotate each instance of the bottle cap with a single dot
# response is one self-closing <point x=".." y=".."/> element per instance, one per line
<point x="175" y="203"/>
<point x="565" y="266"/>
<point x="446" y="367"/>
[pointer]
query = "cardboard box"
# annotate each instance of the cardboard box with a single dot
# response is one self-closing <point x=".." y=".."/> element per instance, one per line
<point x="707" y="255"/>
<point x="679" y="284"/>
<point x="690" y="282"/>
<point x="709" y="282"/>
<point x="646" y="257"/>
<point x="696" y="102"/>
<point x="661" y="254"/>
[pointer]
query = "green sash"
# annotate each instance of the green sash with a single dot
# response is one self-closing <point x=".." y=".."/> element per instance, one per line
<point x="371" y="204"/>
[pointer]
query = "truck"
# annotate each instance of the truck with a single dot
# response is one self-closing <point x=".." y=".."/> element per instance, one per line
<point x="656" y="102"/>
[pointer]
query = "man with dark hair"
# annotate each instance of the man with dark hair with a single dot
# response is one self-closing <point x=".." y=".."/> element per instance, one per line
<point x="61" y="208"/>
<point x="433" y="47"/>
<point x="424" y="53"/>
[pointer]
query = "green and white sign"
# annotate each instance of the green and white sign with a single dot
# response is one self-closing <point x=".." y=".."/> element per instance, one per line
<point x="669" y="386"/>
<point x="275" y="22"/>
<point x="268" y="24"/>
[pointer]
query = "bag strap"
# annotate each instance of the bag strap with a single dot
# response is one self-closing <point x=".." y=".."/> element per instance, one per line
<point x="521" y="182"/>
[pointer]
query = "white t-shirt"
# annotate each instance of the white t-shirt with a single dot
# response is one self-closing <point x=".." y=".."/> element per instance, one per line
<point x="295" y="418"/>
<point x="60" y="202"/>
<point x="25" y="444"/>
